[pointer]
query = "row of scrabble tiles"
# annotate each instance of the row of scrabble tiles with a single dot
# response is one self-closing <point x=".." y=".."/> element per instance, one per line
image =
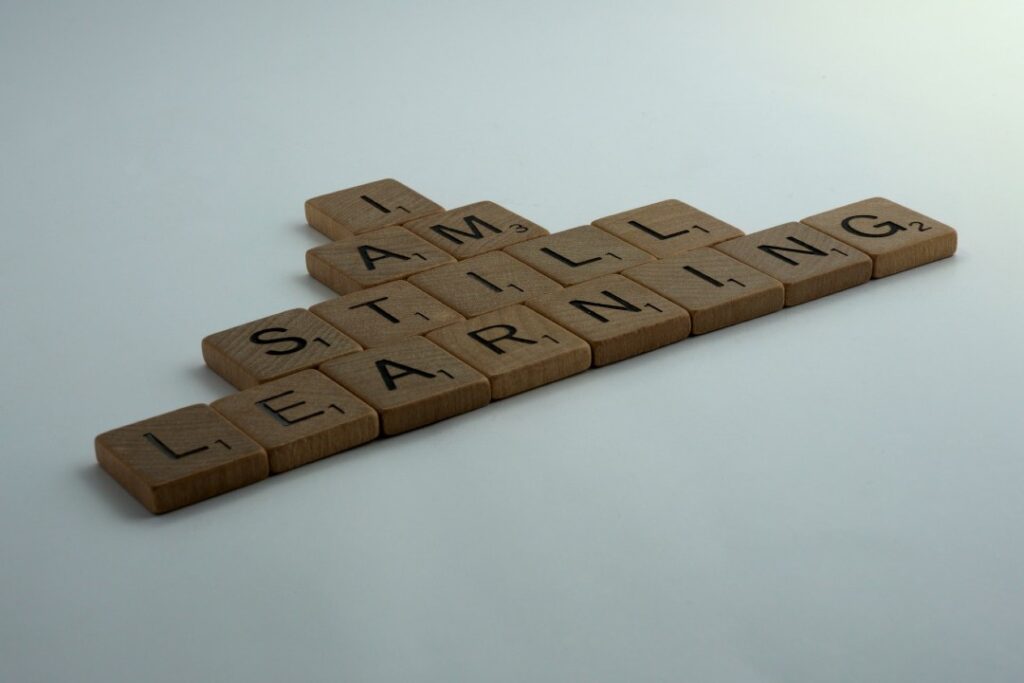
<point x="442" y="312"/>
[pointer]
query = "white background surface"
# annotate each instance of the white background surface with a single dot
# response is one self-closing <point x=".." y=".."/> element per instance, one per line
<point x="831" y="493"/>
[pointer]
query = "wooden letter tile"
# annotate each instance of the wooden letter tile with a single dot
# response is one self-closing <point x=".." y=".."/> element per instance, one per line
<point x="385" y="313"/>
<point x="411" y="383"/>
<point x="300" y="418"/>
<point x="367" y="207"/>
<point x="895" y="237"/>
<point x="517" y="348"/>
<point x="616" y="316"/>
<point x="273" y="347"/>
<point x="373" y="259"/>
<point x="573" y="256"/>
<point x="180" y="458"/>
<point x="668" y="228"/>
<point x="475" y="229"/>
<point x="716" y="289"/>
<point x="809" y="263"/>
<point x="484" y="283"/>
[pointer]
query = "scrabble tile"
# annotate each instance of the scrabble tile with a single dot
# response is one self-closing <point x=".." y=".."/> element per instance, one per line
<point x="356" y="210"/>
<point x="372" y="259"/>
<point x="616" y="316"/>
<point x="475" y="229"/>
<point x="808" y="263"/>
<point x="411" y="383"/>
<point x="895" y="237"/>
<point x="516" y="348"/>
<point x="573" y="256"/>
<point x="716" y="289"/>
<point x="668" y="228"/>
<point x="484" y="283"/>
<point x="181" y="457"/>
<point x="272" y="347"/>
<point x="300" y="418"/>
<point x="385" y="313"/>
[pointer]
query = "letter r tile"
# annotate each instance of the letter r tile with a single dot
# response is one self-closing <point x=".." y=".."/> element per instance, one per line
<point x="411" y="383"/>
<point x="372" y="259"/>
<point x="809" y="263"/>
<point x="181" y="457"/>
<point x="272" y="347"/>
<point x="516" y="348"/>
<point x="475" y="229"/>
<point x="616" y="316"/>
<point x="375" y="205"/>
<point x="300" y="418"/>
<point x="895" y="237"/>
<point x="573" y="256"/>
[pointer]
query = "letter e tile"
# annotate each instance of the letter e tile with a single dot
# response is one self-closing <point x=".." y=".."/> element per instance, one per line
<point x="300" y="418"/>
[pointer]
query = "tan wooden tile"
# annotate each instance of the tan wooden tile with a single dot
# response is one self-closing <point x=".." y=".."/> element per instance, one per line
<point x="475" y="229"/>
<point x="356" y="210"/>
<point x="411" y="383"/>
<point x="372" y="259"/>
<point x="181" y="457"/>
<point x="895" y="237"/>
<point x="668" y="228"/>
<point x="484" y="283"/>
<point x="616" y="316"/>
<point x="272" y="347"/>
<point x="716" y="289"/>
<point x="809" y="263"/>
<point x="300" y="418"/>
<point x="573" y="256"/>
<point x="385" y="313"/>
<point x="516" y="348"/>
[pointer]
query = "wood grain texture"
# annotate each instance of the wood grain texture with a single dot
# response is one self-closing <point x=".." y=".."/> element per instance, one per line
<point x="668" y="228"/>
<point x="580" y="254"/>
<point x="716" y="289"/>
<point x="895" y="237"/>
<point x="616" y="316"/>
<point x="411" y="383"/>
<point x="272" y="347"/>
<point x="808" y="263"/>
<point x="475" y="229"/>
<point x="484" y="283"/>
<point x="386" y="313"/>
<point x="181" y="457"/>
<point x="367" y="260"/>
<point x="516" y="348"/>
<point x="300" y="418"/>
<point x="360" y="209"/>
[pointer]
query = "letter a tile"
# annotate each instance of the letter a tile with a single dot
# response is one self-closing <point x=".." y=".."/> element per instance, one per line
<point x="181" y="457"/>
<point x="516" y="348"/>
<point x="300" y="418"/>
<point x="616" y="316"/>
<point x="273" y="347"/>
<point x="716" y="289"/>
<point x="577" y="255"/>
<point x="668" y="228"/>
<point x="411" y="383"/>
<point x="809" y="263"/>
<point x="375" y="205"/>
<point x="475" y="229"/>
<point x="373" y="259"/>
<point x="385" y="313"/>
<point x="895" y="237"/>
